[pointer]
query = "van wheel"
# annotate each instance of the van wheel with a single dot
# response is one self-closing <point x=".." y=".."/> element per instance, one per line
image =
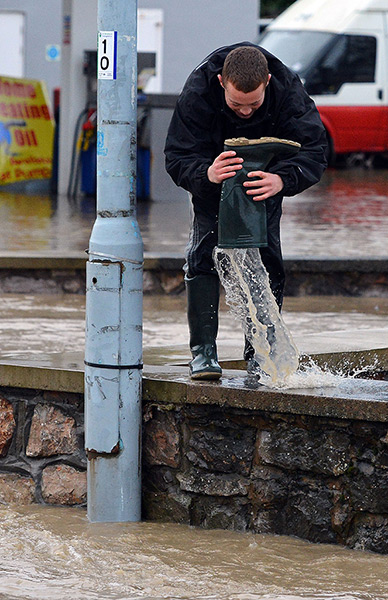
<point x="331" y="156"/>
<point x="380" y="160"/>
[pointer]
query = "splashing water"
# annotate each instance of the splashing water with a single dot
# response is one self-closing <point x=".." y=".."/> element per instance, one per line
<point x="250" y="298"/>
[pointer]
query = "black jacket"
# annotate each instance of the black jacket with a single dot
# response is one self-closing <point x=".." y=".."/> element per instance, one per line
<point x="202" y="121"/>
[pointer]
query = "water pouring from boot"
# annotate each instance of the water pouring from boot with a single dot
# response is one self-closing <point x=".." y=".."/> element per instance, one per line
<point x="274" y="357"/>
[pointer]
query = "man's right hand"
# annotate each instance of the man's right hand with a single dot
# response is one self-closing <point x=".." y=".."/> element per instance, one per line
<point x="224" y="166"/>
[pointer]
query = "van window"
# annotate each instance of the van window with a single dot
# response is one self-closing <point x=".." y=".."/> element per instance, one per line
<point x="297" y="49"/>
<point x="351" y="59"/>
<point x="324" y="61"/>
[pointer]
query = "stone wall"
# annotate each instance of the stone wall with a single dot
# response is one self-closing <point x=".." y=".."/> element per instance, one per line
<point x="322" y="479"/>
<point x="41" y="448"/>
<point x="304" y="277"/>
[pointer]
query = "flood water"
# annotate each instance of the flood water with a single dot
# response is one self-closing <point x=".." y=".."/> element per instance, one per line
<point x="54" y="553"/>
<point x="50" y="330"/>
<point x="345" y="215"/>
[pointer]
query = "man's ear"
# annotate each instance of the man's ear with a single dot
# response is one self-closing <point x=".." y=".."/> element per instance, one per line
<point x="269" y="77"/>
<point x="220" y="80"/>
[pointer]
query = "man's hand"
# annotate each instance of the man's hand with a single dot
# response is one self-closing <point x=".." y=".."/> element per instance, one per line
<point x="264" y="185"/>
<point x="224" y="166"/>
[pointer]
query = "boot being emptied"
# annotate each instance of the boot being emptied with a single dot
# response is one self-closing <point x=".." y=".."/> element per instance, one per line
<point x="242" y="221"/>
<point x="242" y="232"/>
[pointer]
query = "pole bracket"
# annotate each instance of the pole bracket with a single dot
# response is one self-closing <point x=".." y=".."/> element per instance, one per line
<point x="119" y="367"/>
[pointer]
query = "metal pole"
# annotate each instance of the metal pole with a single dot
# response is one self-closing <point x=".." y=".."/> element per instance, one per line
<point x="113" y="355"/>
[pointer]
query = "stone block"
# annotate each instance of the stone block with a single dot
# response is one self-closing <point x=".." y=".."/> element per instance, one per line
<point x="228" y="513"/>
<point x="227" y="450"/>
<point x="151" y="284"/>
<point x="381" y="459"/>
<point x="162" y="440"/>
<point x="173" y="507"/>
<point x="62" y="484"/>
<point x="7" y="425"/>
<point x="266" y="521"/>
<point x="326" y="452"/>
<point x="51" y="433"/>
<point x="158" y="479"/>
<point x="370" y="532"/>
<point x="16" y="489"/>
<point x="269" y="488"/>
<point x="172" y="283"/>
<point x="213" y="485"/>
<point x="307" y="513"/>
<point x="369" y="492"/>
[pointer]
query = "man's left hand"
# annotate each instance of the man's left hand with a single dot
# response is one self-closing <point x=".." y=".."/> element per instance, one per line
<point x="263" y="185"/>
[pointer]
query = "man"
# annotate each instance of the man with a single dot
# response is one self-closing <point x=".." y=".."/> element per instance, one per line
<point x="237" y="91"/>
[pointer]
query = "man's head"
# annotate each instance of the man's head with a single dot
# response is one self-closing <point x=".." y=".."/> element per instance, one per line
<point x="244" y="78"/>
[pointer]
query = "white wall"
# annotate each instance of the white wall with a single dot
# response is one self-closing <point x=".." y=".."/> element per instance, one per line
<point x="191" y="30"/>
<point x="194" y="28"/>
<point x="42" y="28"/>
<point x="83" y="36"/>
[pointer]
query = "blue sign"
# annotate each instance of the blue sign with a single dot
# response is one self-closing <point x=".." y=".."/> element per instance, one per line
<point x="53" y="52"/>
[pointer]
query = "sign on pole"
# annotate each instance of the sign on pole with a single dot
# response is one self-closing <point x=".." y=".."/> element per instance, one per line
<point x="107" y="54"/>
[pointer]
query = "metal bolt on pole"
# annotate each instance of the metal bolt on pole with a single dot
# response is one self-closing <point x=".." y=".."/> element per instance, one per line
<point x="113" y="354"/>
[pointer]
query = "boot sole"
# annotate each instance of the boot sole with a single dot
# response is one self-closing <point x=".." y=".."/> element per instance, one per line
<point x="206" y="375"/>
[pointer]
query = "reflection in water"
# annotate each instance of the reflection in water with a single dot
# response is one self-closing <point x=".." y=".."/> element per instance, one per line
<point x="27" y="215"/>
<point x="345" y="215"/>
<point x="51" y="553"/>
<point x="44" y="223"/>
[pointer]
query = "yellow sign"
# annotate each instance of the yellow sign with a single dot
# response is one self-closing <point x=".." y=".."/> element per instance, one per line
<point x="26" y="131"/>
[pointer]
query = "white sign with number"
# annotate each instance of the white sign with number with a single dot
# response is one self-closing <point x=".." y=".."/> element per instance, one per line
<point x="107" y="54"/>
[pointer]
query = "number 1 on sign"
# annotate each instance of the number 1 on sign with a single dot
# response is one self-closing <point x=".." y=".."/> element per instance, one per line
<point x="107" y="54"/>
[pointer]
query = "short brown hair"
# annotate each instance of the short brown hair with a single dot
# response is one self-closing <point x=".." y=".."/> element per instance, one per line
<point x="246" y="68"/>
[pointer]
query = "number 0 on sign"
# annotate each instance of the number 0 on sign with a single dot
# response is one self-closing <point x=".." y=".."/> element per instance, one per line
<point x="107" y="54"/>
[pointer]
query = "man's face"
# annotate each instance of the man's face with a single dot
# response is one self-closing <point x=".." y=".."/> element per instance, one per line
<point x="243" y="104"/>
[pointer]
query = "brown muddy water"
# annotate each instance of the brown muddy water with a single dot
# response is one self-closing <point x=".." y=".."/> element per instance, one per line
<point x="53" y="553"/>
<point x="44" y="329"/>
<point x="345" y="215"/>
<point x="49" y="553"/>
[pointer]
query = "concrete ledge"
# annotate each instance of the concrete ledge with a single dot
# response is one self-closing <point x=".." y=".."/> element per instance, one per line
<point x="353" y="399"/>
<point x="358" y="399"/>
<point x="41" y="378"/>
<point x="42" y="261"/>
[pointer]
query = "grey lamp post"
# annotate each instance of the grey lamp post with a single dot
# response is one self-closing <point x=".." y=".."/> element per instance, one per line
<point x="113" y="354"/>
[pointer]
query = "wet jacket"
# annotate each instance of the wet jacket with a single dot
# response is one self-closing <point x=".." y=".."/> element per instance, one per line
<point x="202" y="121"/>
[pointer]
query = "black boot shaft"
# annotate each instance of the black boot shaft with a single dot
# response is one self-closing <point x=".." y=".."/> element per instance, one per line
<point x="203" y="292"/>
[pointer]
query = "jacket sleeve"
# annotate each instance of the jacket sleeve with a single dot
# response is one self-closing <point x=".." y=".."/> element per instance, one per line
<point x="299" y="121"/>
<point x="189" y="148"/>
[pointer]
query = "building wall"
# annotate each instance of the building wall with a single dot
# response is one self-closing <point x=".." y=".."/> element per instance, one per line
<point x="194" y="29"/>
<point x="191" y="30"/>
<point x="43" y="27"/>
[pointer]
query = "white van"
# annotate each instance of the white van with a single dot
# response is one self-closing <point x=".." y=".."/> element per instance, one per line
<point x="339" y="48"/>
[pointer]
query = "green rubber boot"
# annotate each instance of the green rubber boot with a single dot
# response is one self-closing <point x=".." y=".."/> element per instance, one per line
<point x="242" y="221"/>
<point x="203" y="293"/>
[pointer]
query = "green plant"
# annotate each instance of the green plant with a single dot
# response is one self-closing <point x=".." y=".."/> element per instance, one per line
<point x="273" y="8"/>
